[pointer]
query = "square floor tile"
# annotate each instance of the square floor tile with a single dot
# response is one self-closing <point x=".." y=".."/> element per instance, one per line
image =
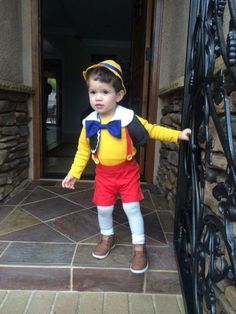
<point x="37" y="194"/>
<point x="5" y="211"/>
<point x="36" y="233"/>
<point x="3" y="245"/>
<point x="153" y="228"/>
<point x="170" y="238"/>
<point x="83" y="198"/>
<point x="34" y="278"/>
<point x="78" y="226"/>
<point x="161" y="258"/>
<point x="18" y="198"/>
<point x="163" y="282"/>
<point x="38" y="254"/>
<point x="51" y="208"/>
<point x="59" y="190"/>
<point x="167" y="221"/>
<point x="107" y="280"/>
<point x="18" y="219"/>
<point x="119" y="257"/>
<point x="147" y="201"/>
<point x="160" y="202"/>
<point x="123" y="236"/>
<point x="167" y="304"/>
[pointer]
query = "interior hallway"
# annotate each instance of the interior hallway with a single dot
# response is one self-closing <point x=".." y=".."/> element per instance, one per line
<point x="47" y="234"/>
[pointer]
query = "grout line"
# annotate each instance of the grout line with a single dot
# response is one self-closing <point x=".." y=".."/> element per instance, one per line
<point x="154" y="205"/>
<point x="64" y="215"/>
<point x="67" y="266"/>
<point x="79" y="302"/>
<point x="158" y="218"/>
<point x="28" y="302"/>
<point x="103" y="301"/>
<point x="50" y="266"/>
<point x="33" y="190"/>
<point x="38" y="201"/>
<point x="179" y="304"/>
<point x="4" y="299"/>
<point x="47" y="188"/>
<point x="39" y="242"/>
<point x="129" y="303"/>
<point x="94" y="292"/>
<point x="94" y="235"/>
<point x="63" y="234"/>
<point x="14" y="208"/>
<point x="73" y="257"/>
<point x="1" y="255"/>
<point x="53" y="304"/>
<point x="145" y="282"/>
<point x="71" y="279"/>
<point x="16" y="230"/>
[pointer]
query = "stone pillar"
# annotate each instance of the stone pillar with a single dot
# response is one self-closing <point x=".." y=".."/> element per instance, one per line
<point x="14" y="135"/>
<point x="167" y="171"/>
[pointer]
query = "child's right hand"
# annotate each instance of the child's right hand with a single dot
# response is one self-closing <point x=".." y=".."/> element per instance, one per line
<point x="69" y="182"/>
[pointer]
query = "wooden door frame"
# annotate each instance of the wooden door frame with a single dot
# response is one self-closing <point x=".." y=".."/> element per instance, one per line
<point x="36" y="83"/>
<point x="37" y="86"/>
<point x="154" y="84"/>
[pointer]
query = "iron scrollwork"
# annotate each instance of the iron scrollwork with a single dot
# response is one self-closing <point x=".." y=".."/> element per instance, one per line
<point x="205" y="239"/>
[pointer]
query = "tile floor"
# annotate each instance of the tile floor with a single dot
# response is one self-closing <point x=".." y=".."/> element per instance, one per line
<point x="47" y="234"/>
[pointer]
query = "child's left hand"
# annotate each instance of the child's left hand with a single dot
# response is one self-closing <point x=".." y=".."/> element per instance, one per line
<point x="184" y="135"/>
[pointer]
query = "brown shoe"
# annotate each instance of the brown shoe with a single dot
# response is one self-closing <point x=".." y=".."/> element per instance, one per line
<point x="104" y="246"/>
<point x="139" y="259"/>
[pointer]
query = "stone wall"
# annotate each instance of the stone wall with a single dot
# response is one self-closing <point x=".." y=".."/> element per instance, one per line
<point x="167" y="171"/>
<point x="14" y="146"/>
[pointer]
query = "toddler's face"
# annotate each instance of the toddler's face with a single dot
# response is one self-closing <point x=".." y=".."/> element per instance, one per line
<point x="103" y="97"/>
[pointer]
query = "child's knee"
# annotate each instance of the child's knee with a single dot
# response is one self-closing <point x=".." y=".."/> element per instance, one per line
<point x="131" y="208"/>
<point x="104" y="210"/>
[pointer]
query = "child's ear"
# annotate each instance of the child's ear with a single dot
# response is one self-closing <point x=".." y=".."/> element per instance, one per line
<point x="120" y="95"/>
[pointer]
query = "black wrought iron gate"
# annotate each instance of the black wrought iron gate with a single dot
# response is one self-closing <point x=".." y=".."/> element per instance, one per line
<point x="205" y="232"/>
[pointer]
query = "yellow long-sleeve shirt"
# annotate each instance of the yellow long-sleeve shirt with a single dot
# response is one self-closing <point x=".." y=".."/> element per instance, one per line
<point x="111" y="150"/>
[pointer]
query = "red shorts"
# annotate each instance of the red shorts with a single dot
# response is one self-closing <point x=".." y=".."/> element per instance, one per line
<point x="122" y="179"/>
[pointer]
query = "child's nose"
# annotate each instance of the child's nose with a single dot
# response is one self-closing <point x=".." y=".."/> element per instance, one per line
<point x="98" y="96"/>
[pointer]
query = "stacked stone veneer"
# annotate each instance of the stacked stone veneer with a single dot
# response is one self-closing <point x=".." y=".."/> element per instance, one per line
<point x="167" y="175"/>
<point x="167" y="172"/>
<point x="14" y="145"/>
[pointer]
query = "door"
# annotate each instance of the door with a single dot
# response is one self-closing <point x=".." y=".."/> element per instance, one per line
<point x="140" y="64"/>
<point x="144" y="74"/>
<point x="51" y="109"/>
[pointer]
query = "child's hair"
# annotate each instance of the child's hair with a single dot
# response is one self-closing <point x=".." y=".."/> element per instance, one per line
<point x="105" y="76"/>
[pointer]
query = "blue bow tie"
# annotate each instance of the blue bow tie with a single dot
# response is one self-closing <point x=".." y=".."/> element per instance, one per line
<point x="93" y="126"/>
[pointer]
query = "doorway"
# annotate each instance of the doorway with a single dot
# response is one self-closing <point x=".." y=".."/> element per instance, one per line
<point x="73" y="36"/>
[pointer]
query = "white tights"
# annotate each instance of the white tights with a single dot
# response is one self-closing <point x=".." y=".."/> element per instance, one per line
<point x="135" y="218"/>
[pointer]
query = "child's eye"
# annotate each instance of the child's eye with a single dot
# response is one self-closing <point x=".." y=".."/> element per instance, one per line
<point x="106" y="91"/>
<point x="92" y="92"/>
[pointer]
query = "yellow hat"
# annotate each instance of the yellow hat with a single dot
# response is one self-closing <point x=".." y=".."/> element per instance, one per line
<point x="112" y="66"/>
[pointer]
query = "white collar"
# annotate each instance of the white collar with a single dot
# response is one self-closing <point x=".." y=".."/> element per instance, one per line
<point x="122" y="113"/>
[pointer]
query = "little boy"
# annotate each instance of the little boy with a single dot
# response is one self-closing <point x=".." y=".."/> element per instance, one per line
<point x="110" y="133"/>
